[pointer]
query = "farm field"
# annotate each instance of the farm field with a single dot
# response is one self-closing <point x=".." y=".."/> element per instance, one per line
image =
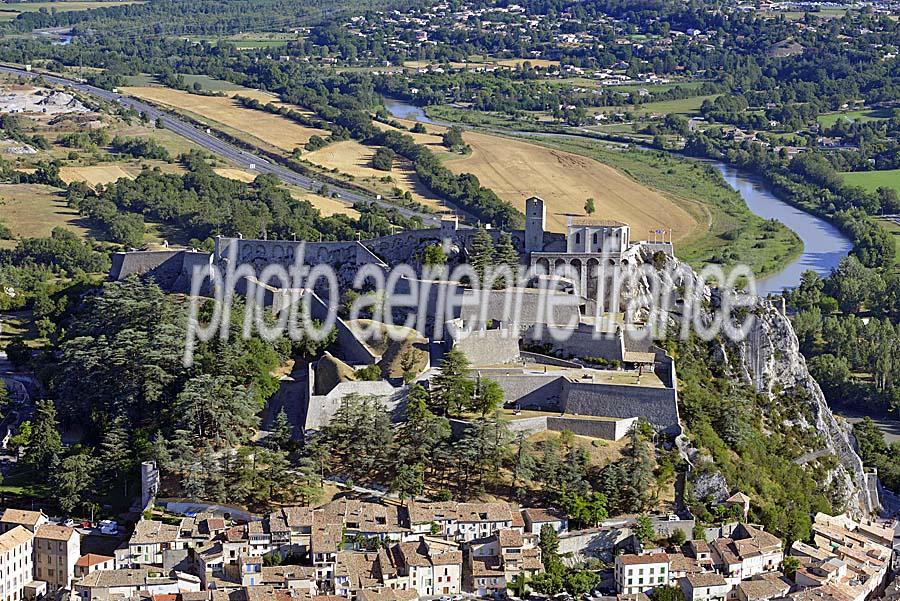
<point x="32" y="211"/>
<point x="515" y="170"/>
<point x="93" y="175"/>
<point x="864" y="115"/>
<point x="355" y="159"/>
<point x="10" y="10"/>
<point x="271" y="129"/>
<point x="872" y="180"/>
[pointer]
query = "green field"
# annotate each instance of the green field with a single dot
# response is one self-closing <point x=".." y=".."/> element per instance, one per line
<point x="207" y="83"/>
<point x="11" y="10"/>
<point x="872" y="180"/>
<point x="894" y="229"/>
<point x="830" y="119"/>
<point x="683" y="106"/>
<point x="733" y="234"/>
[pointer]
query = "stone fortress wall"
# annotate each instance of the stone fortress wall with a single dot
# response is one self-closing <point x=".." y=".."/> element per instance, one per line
<point x="552" y="392"/>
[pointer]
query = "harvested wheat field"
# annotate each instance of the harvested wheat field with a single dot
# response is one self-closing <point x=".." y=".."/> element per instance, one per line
<point x="94" y="175"/>
<point x="271" y="129"/>
<point x="327" y="206"/>
<point x="352" y="158"/>
<point x="32" y="210"/>
<point x="432" y="139"/>
<point x="239" y="174"/>
<point x="516" y="170"/>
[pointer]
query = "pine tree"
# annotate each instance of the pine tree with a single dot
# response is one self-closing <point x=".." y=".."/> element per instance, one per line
<point x="115" y="455"/>
<point x="506" y="256"/>
<point x="523" y="466"/>
<point x="638" y="465"/>
<point x="71" y="480"/>
<point x="282" y="431"/>
<point x="451" y="387"/>
<point x="45" y="442"/>
<point x="482" y="255"/>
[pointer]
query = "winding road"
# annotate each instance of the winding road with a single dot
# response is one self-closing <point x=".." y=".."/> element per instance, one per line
<point x="241" y="158"/>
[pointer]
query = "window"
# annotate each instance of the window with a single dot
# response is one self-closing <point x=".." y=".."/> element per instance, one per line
<point x="577" y="238"/>
<point x="595" y="237"/>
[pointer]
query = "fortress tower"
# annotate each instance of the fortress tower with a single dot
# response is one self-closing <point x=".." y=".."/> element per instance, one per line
<point x="535" y="219"/>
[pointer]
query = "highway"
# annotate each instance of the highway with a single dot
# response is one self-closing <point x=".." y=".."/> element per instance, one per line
<point x="242" y="158"/>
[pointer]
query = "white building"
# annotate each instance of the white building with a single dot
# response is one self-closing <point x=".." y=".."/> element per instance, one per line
<point x="15" y="559"/>
<point x="704" y="587"/>
<point x="641" y="573"/>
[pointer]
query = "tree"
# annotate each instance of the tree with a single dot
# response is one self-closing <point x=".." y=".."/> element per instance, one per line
<point x="588" y="511"/>
<point x="580" y="582"/>
<point x="45" y="444"/>
<point x="409" y="482"/>
<point x="667" y="593"/>
<point x="115" y="455"/>
<point x="523" y="465"/>
<point x="433" y="256"/>
<point x="637" y="462"/>
<point x="482" y="255"/>
<point x="18" y="352"/>
<point x="677" y="537"/>
<point x="72" y="478"/>
<point x="643" y="529"/>
<point x="282" y="431"/>
<point x="214" y="409"/>
<point x="487" y="398"/>
<point x="383" y="159"/>
<point x="505" y="255"/>
<point x="453" y="138"/>
<point x="790" y="565"/>
<point x="451" y="387"/>
<point x="589" y="207"/>
<point x="549" y="543"/>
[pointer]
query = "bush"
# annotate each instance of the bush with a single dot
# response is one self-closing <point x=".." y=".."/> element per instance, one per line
<point x="383" y="160"/>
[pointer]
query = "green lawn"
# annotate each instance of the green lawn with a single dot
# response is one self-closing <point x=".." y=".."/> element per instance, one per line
<point x="734" y="234"/>
<point x="894" y="229"/>
<point x="254" y="44"/>
<point x="872" y="180"/>
<point x="683" y="106"/>
<point x="209" y="84"/>
<point x="830" y="119"/>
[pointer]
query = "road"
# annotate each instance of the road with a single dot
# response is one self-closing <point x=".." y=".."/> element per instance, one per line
<point x="242" y="158"/>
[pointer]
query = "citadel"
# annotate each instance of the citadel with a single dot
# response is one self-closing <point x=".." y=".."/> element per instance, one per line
<point x="594" y="381"/>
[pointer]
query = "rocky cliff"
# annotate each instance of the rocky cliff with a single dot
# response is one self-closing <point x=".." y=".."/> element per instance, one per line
<point x="770" y="359"/>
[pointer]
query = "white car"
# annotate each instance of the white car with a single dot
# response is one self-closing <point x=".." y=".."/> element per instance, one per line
<point x="108" y="527"/>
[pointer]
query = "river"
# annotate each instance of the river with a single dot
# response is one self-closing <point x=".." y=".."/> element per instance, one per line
<point x="823" y="244"/>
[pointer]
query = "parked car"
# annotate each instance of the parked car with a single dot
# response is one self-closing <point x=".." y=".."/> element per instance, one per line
<point x="108" y="527"/>
<point x="69" y="522"/>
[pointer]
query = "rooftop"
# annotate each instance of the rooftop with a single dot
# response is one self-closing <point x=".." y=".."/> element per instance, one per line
<point x="54" y="532"/>
<point x="15" y="537"/>
<point x="635" y="560"/>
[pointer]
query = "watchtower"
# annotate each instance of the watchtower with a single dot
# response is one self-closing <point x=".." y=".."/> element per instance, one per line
<point x="535" y="219"/>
